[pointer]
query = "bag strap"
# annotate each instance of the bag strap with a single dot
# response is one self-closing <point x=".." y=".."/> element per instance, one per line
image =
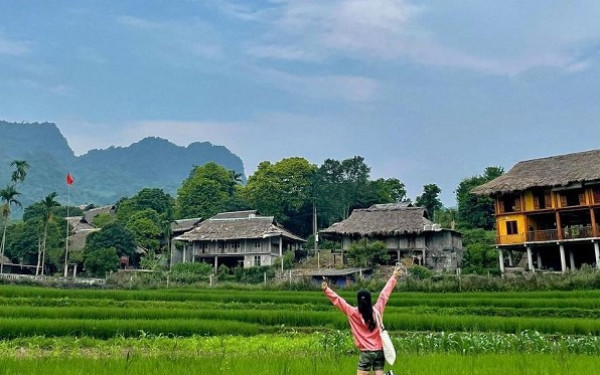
<point x="379" y="320"/>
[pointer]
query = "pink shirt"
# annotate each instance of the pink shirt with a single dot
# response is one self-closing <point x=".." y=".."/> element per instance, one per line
<point x="363" y="338"/>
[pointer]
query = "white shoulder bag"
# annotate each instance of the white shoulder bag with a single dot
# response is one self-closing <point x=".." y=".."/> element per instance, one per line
<point x="388" y="347"/>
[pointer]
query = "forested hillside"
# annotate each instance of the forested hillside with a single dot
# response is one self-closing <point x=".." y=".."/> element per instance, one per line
<point x="101" y="176"/>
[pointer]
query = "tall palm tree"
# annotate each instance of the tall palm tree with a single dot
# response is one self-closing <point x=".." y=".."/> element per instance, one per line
<point x="49" y="202"/>
<point x="20" y="171"/>
<point x="8" y="197"/>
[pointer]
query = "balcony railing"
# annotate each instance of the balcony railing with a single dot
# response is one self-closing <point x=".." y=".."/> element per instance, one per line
<point x="568" y="233"/>
<point x="542" y="235"/>
<point x="578" y="231"/>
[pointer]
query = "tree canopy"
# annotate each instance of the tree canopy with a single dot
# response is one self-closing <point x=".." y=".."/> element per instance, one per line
<point x="475" y="211"/>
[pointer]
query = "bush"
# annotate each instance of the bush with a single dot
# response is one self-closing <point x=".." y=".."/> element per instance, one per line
<point x="420" y="272"/>
<point x="99" y="262"/>
<point x="188" y="273"/>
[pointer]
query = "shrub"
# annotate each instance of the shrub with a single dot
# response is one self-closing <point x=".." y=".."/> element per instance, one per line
<point x="191" y="272"/>
<point x="99" y="262"/>
<point x="420" y="272"/>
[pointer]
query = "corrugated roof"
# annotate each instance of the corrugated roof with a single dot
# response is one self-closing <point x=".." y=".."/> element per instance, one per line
<point x="555" y="171"/>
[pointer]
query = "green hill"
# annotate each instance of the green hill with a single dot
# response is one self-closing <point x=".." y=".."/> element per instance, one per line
<point x="101" y="176"/>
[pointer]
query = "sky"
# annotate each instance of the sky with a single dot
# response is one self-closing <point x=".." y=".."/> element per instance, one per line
<point x="426" y="91"/>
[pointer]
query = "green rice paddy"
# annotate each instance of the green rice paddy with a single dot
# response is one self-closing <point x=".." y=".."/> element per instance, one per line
<point x="208" y="331"/>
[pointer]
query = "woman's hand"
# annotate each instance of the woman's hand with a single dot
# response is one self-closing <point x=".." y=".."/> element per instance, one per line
<point x="398" y="272"/>
<point x="324" y="285"/>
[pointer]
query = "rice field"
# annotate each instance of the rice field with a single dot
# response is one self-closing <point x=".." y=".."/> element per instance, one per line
<point x="285" y="332"/>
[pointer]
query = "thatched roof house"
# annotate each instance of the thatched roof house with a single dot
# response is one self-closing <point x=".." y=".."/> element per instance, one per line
<point x="555" y="171"/>
<point x="234" y="226"/>
<point x="406" y="232"/>
<point x="236" y="238"/>
<point x="382" y="220"/>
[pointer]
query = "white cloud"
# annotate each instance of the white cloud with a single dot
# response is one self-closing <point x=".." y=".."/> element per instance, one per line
<point x="195" y="38"/>
<point x="330" y="87"/>
<point x="396" y="30"/>
<point x="13" y="48"/>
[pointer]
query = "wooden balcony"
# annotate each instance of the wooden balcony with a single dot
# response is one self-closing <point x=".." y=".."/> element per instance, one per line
<point x="568" y="233"/>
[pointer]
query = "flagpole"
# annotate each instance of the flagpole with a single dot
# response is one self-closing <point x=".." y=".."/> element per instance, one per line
<point x="67" y="236"/>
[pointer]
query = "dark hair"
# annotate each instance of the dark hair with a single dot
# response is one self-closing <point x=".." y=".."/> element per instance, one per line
<point x="365" y="308"/>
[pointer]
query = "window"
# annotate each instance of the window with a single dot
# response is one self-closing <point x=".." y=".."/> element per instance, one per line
<point x="572" y="198"/>
<point x="511" y="227"/>
<point x="596" y="192"/>
<point x="221" y="247"/>
<point x="257" y="243"/>
<point x="541" y="200"/>
<point x="510" y="204"/>
<point x="257" y="260"/>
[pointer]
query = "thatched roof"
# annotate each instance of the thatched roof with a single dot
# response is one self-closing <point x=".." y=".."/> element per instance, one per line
<point x="236" y="214"/>
<point x="90" y="214"/>
<point x="555" y="171"/>
<point x="183" y="225"/>
<point x="237" y="227"/>
<point x="78" y="223"/>
<point x="382" y="220"/>
<point x="77" y="240"/>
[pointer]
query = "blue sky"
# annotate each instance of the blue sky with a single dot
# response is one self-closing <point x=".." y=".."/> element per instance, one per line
<point x="426" y="91"/>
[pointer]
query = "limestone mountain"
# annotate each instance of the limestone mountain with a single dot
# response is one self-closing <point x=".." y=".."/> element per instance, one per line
<point x="101" y="176"/>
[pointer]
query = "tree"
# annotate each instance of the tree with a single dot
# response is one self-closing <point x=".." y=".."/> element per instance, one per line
<point x="344" y="186"/>
<point x="429" y="199"/>
<point x="476" y="211"/>
<point x="101" y="261"/>
<point x="206" y="192"/>
<point x="148" y="198"/>
<point x="365" y="254"/>
<point x="145" y="226"/>
<point x="479" y="254"/>
<point x="8" y="196"/>
<point x="48" y="203"/>
<point x="284" y="190"/>
<point x="20" y="172"/>
<point x="113" y="235"/>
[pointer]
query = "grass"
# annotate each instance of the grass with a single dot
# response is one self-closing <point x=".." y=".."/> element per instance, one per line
<point x="534" y="364"/>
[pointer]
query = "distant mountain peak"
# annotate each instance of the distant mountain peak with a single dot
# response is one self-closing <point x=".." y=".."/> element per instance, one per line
<point x="102" y="176"/>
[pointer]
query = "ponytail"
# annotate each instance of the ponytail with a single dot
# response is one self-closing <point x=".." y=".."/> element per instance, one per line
<point x="366" y="308"/>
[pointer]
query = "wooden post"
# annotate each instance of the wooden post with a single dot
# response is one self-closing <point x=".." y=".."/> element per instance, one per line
<point x="559" y="226"/>
<point x="597" y="252"/>
<point x="529" y="259"/>
<point x="563" y="261"/>
<point x="593" y="220"/>
<point x="216" y="263"/>
<point x="539" y="260"/>
<point x="281" y="252"/>
<point x="572" y="260"/>
<point x="501" y="261"/>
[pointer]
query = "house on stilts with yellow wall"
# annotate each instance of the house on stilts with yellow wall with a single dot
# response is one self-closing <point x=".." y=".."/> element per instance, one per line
<point x="548" y="209"/>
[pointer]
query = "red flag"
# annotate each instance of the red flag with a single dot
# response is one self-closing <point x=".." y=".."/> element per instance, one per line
<point x="70" y="179"/>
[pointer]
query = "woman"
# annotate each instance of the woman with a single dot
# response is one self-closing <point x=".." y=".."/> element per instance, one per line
<point x="363" y="324"/>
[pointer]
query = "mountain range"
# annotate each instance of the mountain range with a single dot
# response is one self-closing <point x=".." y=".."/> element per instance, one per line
<point x="101" y="176"/>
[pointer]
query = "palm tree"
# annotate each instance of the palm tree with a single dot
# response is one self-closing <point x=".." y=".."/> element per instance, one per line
<point x="8" y="196"/>
<point x="48" y="204"/>
<point x="20" y="171"/>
